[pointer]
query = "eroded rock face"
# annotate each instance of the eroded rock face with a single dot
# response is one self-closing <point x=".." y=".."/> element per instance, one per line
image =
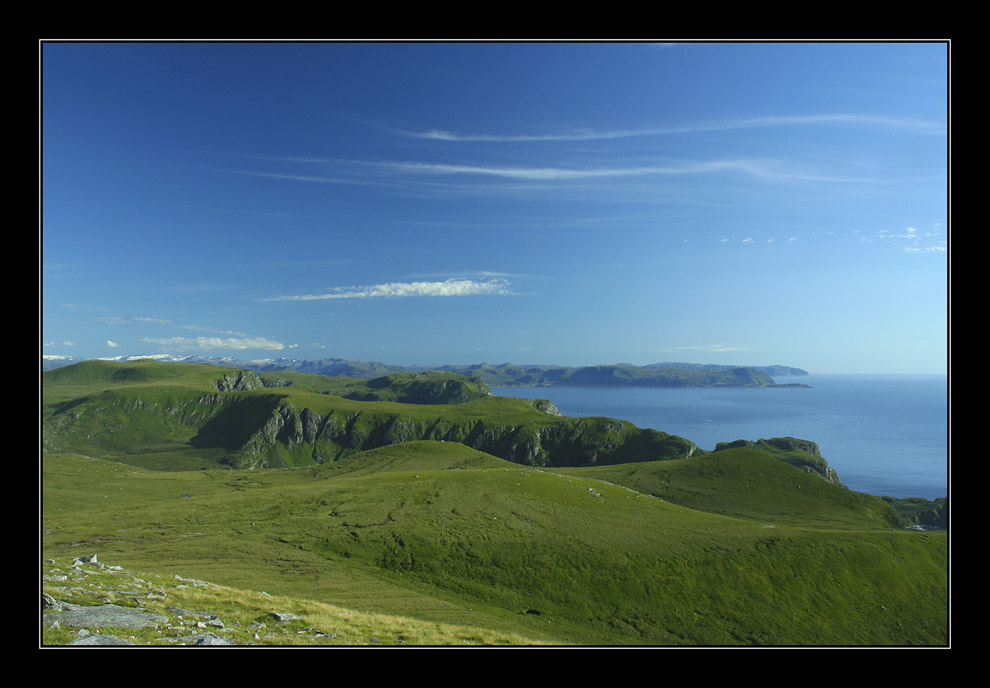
<point x="553" y="440"/>
<point x="239" y="381"/>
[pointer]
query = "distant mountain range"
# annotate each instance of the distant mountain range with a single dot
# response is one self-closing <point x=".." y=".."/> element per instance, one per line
<point x="668" y="374"/>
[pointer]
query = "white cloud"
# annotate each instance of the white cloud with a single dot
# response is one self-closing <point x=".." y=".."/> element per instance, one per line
<point x="756" y="122"/>
<point x="112" y="344"/>
<point x="716" y="348"/>
<point x="750" y="167"/>
<point x="912" y="239"/>
<point x="451" y="287"/>
<point x="926" y="249"/>
<point x="208" y="343"/>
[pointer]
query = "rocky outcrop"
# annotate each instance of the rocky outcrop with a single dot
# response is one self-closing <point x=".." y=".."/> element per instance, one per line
<point x="239" y="381"/>
<point x="544" y="405"/>
<point x="91" y="619"/>
<point x="109" y="615"/>
<point x="246" y="426"/>
<point x="802" y="454"/>
<point x="291" y="436"/>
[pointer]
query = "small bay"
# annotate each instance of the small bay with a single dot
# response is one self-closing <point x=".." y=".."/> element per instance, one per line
<point x="883" y="434"/>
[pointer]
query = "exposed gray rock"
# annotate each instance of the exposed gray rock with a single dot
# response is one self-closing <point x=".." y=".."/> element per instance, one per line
<point x="240" y="381"/>
<point x="279" y="616"/>
<point x="207" y="639"/>
<point x="189" y="612"/>
<point x="104" y="615"/>
<point x="99" y="639"/>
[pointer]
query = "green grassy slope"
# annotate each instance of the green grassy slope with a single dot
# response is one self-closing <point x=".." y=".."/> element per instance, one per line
<point x="413" y="510"/>
<point x="438" y="532"/>
<point x="246" y="615"/>
<point x="433" y="387"/>
<point x="197" y="421"/>
<point x="752" y="484"/>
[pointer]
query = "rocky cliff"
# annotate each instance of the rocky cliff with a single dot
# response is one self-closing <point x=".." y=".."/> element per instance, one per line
<point x="802" y="454"/>
<point x="291" y="435"/>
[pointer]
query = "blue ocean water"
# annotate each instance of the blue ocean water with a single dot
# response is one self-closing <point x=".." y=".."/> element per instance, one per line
<point x="883" y="434"/>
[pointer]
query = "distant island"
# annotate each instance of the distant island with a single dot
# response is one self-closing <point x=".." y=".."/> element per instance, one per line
<point x="668" y="374"/>
<point x="627" y="375"/>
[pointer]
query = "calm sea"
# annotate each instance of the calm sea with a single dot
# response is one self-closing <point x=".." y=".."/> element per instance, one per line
<point x="883" y="434"/>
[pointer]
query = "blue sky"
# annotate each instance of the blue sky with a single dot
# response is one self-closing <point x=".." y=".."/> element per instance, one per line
<point x="431" y="203"/>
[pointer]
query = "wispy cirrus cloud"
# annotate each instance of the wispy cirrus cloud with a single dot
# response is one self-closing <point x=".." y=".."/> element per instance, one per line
<point x="143" y="320"/>
<point x="918" y="126"/>
<point x="451" y="287"/>
<point x="714" y="348"/>
<point x="392" y="171"/>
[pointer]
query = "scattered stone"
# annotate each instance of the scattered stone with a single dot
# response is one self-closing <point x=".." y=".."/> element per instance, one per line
<point x="189" y="612"/>
<point x="280" y="616"/>
<point x="197" y="628"/>
<point x="206" y="639"/>
<point x="99" y="639"/>
<point x="49" y="602"/>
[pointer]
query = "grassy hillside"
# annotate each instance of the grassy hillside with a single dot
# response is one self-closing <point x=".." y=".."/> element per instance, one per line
<point x="433" y="387"/>
<point x="191" y="609"/>
<point x="441" y="533"/>
<point x="749" y="483"/>
<point x="410" y="516"/>
<point x="217" y="416"/>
